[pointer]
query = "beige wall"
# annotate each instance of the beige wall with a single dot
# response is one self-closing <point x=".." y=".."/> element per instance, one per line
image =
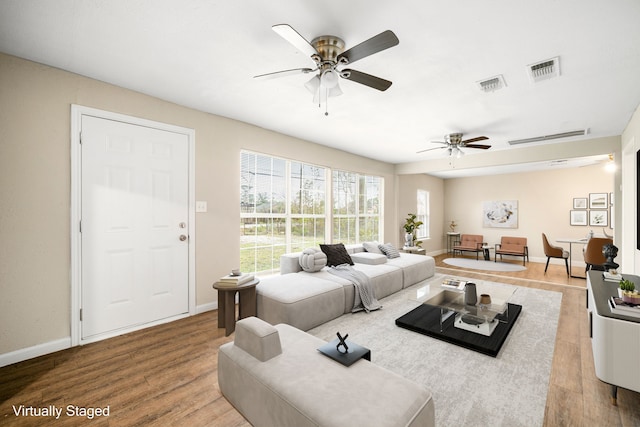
<point x="407" y="192"/>
<point x="544" y="201"/>
<point x="35" y="176"/>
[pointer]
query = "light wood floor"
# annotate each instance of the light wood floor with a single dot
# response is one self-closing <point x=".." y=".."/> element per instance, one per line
<point x="167" y="375"/>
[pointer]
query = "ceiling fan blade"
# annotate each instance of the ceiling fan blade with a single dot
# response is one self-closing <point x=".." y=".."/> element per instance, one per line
<point x="479" y="138"/>
<point x="366" y="79"/>
<point x="430" y="149"/>
<point x="482" y="146"/>
<point x="375" y="44"/>
<point x="284" y="73"/>
<point x="292" y="36"/>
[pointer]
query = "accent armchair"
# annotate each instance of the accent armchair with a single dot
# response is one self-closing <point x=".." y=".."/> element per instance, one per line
<point x="469" y="243"/>
<point x="514" y="246"/>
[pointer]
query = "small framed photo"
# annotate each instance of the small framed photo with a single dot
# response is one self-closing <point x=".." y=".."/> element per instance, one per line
<point x="578" y="217"/>
<point x="598" y="200"/>
<point x="598" y="218"/>
<point x="580" y="203"/>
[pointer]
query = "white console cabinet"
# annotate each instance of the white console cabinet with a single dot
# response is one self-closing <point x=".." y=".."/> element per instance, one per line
<point x="615" y="339"/>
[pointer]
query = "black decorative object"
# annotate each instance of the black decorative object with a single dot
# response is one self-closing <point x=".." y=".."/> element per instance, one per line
<point x="342" y="343"/>
<point x="610" y="252"/>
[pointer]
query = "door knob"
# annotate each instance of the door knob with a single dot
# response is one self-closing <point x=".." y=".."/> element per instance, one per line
<point x="183" y="237"/>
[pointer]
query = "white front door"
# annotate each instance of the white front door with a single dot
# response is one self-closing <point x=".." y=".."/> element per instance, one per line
<point x="134" y="225"/>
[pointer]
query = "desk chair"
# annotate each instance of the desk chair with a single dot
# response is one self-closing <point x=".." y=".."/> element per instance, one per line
<point x="551" y="251"/>
<point x="593" y="256"/>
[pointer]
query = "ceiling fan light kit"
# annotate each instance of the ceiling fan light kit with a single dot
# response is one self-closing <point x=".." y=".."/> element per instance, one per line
<point x="329" y="54"/>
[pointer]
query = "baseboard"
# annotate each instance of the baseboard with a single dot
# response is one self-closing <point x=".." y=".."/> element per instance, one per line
<point x="65" y="343"/>
<point x="35" y="351"/>
<point x="207" y="307"/>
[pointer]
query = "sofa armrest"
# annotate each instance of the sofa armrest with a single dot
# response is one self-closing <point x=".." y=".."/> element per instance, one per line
<point x="258" y="338"/>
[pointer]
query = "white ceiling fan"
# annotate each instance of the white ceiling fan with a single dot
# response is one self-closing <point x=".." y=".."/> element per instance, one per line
<point x="331" y="59"/>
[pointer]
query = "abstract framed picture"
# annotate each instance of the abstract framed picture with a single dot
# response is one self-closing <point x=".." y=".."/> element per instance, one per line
<point x="580" y="203"/>
<point x="598" y="200"/>
<point x="598" y="218"/>
<point x="578" y="217"/>
<point x="500" y="214"/>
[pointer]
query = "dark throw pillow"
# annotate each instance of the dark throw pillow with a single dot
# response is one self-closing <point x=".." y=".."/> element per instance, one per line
<point x="336" y="254"/>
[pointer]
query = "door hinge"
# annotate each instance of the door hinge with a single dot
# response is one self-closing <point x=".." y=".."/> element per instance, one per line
<point x="80" y="138"/>
<point x="81" y="315"/>
<point x="80" y="224"/>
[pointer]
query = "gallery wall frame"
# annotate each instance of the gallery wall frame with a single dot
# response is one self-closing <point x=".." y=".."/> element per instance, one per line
<point x="579" y="203"/>
<point x="598" y="200"/>
<point x="578" y="217"/>
<point x="598" y="218"/>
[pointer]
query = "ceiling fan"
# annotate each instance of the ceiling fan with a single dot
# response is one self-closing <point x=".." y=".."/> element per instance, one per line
<point x="330" y="58"/>
<point x="453" y="142"/>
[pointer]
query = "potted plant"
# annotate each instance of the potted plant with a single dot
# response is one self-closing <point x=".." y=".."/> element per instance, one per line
<point x="410" y="228"/>
<point x="627" y="291"/>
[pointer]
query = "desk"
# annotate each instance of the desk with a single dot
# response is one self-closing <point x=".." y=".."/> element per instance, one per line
<point x="571" y="241"/>
<point x="227" y="304"/>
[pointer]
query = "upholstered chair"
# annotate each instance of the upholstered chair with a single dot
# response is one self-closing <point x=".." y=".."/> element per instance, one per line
<point x="514" y="246"/>
<point x="469" y="243"/>
<point x="593" y="256"/>
<point x="552" y="251"/>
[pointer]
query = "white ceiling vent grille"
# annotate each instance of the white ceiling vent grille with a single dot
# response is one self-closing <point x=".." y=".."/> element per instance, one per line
<point x="580" y="132"/>
<point x="544" y="70"/>
<point x="492" y="84"/>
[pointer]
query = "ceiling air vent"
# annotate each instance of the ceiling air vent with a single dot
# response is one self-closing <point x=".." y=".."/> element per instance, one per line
<point x="492" y="84"/>
<point x="580" y="132"/>
<point x="544" y="70"/>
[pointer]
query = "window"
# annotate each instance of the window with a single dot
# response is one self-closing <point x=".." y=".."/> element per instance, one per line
<point x="356" y="207"/>
<point x="422" y="214"/>
<point x="283" y="208"/>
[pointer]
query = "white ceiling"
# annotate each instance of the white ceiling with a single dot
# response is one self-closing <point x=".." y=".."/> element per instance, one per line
<point x="204" y="53"/>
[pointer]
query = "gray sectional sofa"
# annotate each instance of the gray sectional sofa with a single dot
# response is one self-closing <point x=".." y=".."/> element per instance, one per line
<point x="268" y="373"/>
<point x="307" y="299"/>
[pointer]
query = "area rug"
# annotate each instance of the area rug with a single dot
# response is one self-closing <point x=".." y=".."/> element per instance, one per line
<point x="483" y="265"/>
<point x="469" y="388"/>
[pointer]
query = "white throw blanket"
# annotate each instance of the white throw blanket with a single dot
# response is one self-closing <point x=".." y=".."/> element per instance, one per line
<point x="365" y="298"/>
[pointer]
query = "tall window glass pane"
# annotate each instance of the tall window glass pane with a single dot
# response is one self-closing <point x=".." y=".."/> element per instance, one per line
<point x="422" y="214"/>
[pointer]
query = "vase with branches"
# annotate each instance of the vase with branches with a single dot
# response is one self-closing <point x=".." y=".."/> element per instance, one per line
<point x="411" y="227"/>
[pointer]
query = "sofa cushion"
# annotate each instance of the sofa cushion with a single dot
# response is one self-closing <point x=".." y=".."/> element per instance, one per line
<point x="258" y="338"/>
<point x="303" y="300"/>
<point x="372" y="247"/>
<point x="336" y="254"/>
<point x="389" y="250"/>
<point x="312" y="259"/>
<point x="369" y="258"/>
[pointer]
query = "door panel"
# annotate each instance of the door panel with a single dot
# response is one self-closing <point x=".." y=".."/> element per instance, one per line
<point x="134" y="209"/>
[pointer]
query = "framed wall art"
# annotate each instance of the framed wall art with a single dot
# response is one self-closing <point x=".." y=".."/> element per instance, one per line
<point x="580" y="203"/>
<point x="500" y="214"/>
<point x="598" y="218"/>
<point x="578" y="217"/>
<point x="598" y="200"/>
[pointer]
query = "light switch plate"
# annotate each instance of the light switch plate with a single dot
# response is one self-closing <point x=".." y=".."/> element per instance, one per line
<point x="201" y="206"/>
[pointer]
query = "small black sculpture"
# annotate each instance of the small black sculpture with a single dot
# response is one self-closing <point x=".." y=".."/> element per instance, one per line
<point x="342" y="343"/>
<point x="610" y="252"/>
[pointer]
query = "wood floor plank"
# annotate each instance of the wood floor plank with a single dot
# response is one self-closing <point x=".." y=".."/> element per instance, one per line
<point x="167" y="375"/>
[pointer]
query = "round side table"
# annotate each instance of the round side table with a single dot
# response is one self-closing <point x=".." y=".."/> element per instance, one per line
<point x="247" y="305"/>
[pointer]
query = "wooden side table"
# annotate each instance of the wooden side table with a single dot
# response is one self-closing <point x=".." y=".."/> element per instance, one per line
<point x="247" y="305"/>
